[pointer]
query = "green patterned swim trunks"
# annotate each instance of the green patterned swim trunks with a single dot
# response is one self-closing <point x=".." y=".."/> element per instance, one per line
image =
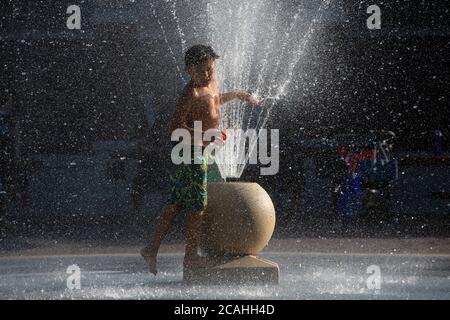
<point x="189" y="184"/>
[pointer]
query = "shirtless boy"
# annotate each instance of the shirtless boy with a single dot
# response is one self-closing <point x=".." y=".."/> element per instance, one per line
<point x="199" y="101"/>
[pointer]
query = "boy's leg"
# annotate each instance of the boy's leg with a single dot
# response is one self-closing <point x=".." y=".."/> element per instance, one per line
<point x="193" y="228"/>
<point x="165" y="222"/>
<point x="193" y="233"/>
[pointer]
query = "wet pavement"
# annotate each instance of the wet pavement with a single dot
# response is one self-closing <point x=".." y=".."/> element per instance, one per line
<point x="302" y="276"/>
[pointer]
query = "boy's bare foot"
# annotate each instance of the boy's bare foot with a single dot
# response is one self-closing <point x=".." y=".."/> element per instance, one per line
<point x="150" y="257"/>
<point x="198" y="262"/>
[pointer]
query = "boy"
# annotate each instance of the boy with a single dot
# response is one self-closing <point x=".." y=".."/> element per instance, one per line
<point x="199" y="101"/>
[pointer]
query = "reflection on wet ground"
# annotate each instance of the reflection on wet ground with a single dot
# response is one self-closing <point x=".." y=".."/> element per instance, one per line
<point x="302" y="276"/>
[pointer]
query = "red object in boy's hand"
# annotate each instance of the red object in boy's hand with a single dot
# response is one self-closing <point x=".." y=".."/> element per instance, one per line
<point x="224" y="136"/>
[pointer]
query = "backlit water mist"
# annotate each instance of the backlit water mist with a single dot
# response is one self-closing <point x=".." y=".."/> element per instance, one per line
<point x="261" y="44"/>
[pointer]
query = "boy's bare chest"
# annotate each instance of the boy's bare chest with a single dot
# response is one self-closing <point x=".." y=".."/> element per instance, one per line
<point x="197" y="111"/>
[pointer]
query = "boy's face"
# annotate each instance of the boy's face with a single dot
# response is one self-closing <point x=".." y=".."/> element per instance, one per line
<point x="202" y="74"/>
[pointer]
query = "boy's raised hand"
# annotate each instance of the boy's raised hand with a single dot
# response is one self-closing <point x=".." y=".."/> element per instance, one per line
<point x="254" y="100"/>
<point x="250" y="98"/>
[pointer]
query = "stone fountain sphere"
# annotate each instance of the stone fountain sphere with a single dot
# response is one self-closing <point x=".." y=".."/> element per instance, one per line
<point x="239" y="219"/>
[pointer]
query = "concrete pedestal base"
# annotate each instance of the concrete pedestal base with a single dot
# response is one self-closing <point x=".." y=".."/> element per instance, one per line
<point x="244" y="270"/>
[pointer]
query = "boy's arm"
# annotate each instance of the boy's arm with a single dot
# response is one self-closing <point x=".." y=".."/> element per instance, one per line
<point x="243" y="96"/>
<point x="229" y="96"/>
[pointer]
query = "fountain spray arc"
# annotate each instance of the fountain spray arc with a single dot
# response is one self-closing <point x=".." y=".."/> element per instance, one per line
<point x="261" y="47"/>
